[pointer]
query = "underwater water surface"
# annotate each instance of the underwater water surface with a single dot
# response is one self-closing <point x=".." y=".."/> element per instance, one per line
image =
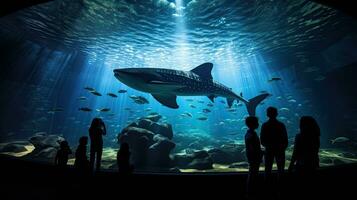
<point x="57" y="75"/>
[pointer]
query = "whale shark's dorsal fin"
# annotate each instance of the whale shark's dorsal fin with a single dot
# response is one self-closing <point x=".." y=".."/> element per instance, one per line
<point x="204" y="70"/>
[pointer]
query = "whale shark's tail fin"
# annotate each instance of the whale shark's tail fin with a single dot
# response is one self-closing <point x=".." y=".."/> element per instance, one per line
<point x="254" y="102"/>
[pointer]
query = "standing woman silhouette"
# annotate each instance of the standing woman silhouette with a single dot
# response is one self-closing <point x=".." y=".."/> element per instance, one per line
<point x="305" y="157"/>
<point x="96" y="131"/>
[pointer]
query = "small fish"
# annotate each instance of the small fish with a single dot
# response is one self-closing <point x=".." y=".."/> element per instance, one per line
<point x="192" y="106"/>
<point x="340" y="140"/>
<point x="148" y="109"/>
<point x="90" y="89"/>
<point x="292" y="101"/>
<point x="239" y="104"/>
<point x="143" y="99"/>
<point x="202" y="118"/>
<point x="85" y="109"/>
<point x="284" y="109"/>
<point x="274" y="79"/>
<point x="320" y="78"/>
<point x="289" y="96"/>
<point x="222" y="101"/>
<point x="112" y="95"/>
<point x="122" y="91"/>
<point x="282" y="118"/>
<point x="189" y="100"/>
<point x="103" y="110"/>
<point x="82" y="98"/>
<point x="139" y="99"/>
<point x="206" y="110"/>
<point x="200" y="101"/>
<point x="279" y="97"/>
<point x="57" y="109"/>
<point x="186" y="114"/>
<point x="221" y="123"/>
<point x="244" y="128"/>
<point x="311" y="69"/>
<point x="210" y="105"/>
<point x="96" y="93"/>
<point x="232" y="110"/>
<point x="127" y="108"/>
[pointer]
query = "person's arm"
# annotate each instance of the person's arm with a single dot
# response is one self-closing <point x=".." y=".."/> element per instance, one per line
<point x="104" y="129"/>
<point x="263" y="136"/>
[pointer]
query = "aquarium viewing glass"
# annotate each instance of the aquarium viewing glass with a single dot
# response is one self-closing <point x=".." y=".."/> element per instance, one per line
<point x="57" y="74"/>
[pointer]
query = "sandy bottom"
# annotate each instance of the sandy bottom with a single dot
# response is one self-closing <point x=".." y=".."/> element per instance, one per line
<point x="328" y="157"/>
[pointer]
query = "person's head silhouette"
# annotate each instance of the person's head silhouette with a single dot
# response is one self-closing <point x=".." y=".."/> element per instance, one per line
<point x="272" y="112"/>
<point x="309" y="126"/>
<point x="83" y="140"/>
<point x="64" y="145"/>
<point x="252" y="122"/>
<point x="96" y="122"/>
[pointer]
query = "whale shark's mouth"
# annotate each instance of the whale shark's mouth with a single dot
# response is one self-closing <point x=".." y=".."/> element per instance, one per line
<point x="119" y="71"/>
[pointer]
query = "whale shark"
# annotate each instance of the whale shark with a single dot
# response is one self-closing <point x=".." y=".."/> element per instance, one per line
<point x="166" y="84"/>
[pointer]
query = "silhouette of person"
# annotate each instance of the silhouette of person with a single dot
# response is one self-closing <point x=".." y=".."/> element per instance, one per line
<point x="81" y="162"/>
<point x="96" y="131"/>
<point x="305" y="157"/>
<point x="254" y="154"/>
<point x="61" y="158"/>
<point x="274" y="138"/>
<point x="123" y="159"/>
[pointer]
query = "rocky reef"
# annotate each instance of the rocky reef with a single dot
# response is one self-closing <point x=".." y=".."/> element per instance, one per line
<point x="150" y="143"/>
<point x="46" y="146"/>
<point x="39" y="147"/>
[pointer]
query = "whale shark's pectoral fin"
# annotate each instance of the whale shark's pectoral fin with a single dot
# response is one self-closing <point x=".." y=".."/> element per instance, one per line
<point x="211" y="97"/>
<point x="166" y="100"/>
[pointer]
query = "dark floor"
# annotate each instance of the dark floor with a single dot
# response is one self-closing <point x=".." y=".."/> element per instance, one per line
<point x="27" y="180"/>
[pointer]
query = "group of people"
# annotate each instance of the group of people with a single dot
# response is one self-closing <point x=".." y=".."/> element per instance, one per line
<point x="96" y="132"/>
<point x="274" y="140"/>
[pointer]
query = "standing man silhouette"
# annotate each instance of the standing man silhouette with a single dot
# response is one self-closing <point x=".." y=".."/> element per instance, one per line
<point x="96" y="131"/>
<point x="274" y="138"/>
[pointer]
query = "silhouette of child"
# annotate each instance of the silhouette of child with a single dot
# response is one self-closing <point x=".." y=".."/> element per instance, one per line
<point x="81" y="162"/>
<point x="123" y="159"/>
<point x="253" y="152"/>
<point x="61" y="158"/>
